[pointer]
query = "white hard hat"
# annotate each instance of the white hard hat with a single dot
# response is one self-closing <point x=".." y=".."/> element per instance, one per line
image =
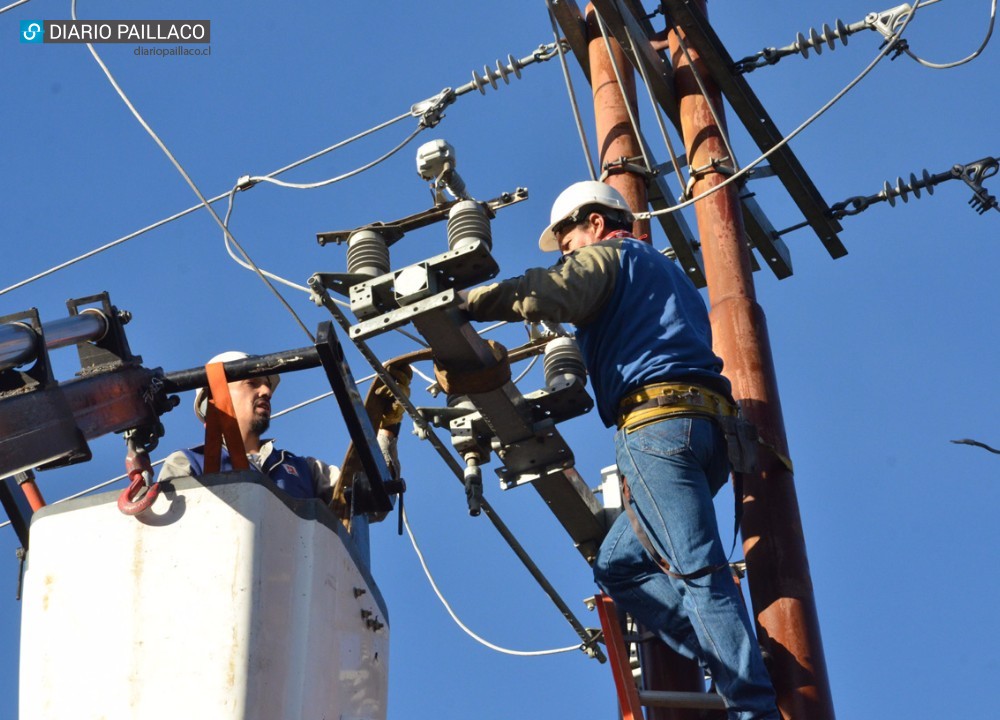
<point x="201" y="397"/>
<point x="576" y="196"/>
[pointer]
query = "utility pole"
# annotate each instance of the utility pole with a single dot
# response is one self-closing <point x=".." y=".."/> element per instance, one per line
<point x="780" y="585"/>
<point x="616" y="140"/>
<point x="662" y="668"/>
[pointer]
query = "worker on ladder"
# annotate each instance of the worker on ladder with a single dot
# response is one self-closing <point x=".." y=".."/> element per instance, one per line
<point x="645" y="335"/>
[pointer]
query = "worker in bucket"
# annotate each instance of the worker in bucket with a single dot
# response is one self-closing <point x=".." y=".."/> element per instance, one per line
<point x="644" y="332"/>
<point x="299" y="477"/>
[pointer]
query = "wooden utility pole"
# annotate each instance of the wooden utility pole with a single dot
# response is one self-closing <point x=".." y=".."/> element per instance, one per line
<point x="780" y="585"/>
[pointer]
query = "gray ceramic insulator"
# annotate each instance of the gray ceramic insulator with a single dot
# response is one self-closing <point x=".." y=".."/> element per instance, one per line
<point x="467" y="223"/>
<point x="367" y="254"/>
<point x="563" y="363"/>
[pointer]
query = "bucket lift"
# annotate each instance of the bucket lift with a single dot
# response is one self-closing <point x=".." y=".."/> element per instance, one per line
<point x="224" y="598"/>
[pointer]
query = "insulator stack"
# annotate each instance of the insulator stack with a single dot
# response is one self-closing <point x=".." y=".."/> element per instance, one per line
<point x="816" y="41"/>
<point x="502" y="72"/>
<point x="467" y="223"/>
<point x="804" y="42"/>
<point x="902" y="190"/>
<point x="972" y="174"/>
<point x="367" y="254"/>
<point x="563" y="363"/>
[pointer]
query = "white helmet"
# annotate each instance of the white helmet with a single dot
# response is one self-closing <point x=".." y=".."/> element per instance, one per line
<point x="576" y="196"/>
<point x="201" y="397"/>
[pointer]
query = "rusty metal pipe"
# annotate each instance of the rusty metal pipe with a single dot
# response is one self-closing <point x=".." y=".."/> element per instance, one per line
<point x="780" y="586"/>
<point x="615" y="138"/>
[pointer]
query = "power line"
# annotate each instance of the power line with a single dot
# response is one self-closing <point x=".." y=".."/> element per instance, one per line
<point x="190" y="182"/>
<point x="886" y="49"/>
<point x="12" y="6"/>
<point x="463" y="626"/>
<point x="963" y="61"/>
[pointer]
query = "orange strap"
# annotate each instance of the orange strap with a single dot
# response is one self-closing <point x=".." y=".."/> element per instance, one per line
<point x="220" y="422"/>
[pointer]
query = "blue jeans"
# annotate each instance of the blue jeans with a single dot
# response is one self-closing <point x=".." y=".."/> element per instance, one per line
<point x="674" y="467"/>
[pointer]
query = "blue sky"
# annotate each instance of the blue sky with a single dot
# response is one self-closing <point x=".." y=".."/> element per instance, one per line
<point x="882" y="356"/>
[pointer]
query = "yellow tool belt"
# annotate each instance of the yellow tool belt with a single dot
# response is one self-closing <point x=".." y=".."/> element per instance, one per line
<point x="657" y="401"/>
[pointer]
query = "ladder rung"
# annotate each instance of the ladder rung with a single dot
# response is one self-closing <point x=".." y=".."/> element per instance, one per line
<point x="670" y="699"/>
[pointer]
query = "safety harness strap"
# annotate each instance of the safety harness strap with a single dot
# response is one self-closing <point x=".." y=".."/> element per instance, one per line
<point x="220" y="422"/>
<point x="647" y="544"/>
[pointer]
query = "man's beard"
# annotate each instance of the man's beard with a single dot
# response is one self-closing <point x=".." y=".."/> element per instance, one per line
<point x="260" y="424"/>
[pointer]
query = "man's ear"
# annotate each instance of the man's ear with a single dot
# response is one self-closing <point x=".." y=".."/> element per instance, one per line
<point x="596" y="221"/>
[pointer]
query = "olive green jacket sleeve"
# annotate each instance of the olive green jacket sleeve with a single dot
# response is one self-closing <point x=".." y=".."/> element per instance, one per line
<point x="573" y="291"/>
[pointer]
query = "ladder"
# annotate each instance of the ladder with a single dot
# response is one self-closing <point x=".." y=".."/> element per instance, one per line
<point x="631" y="700"/>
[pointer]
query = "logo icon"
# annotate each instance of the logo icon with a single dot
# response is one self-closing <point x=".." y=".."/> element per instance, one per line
<point x="32" y="31"/>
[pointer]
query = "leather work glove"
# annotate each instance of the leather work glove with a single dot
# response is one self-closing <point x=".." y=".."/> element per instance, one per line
<point x="393" y="416"/>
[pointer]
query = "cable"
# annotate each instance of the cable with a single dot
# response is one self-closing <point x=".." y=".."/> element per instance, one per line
<point x="970" y="58"/>
<point x="108" y="246"/>
<point x="531" y="364"/>
<point x="886" y="49"/>
<point x="284" y="281"/>
<point x="187" y="178"/>
<point x="248" y="264"/>
<point x="659" y="120"/>
<point x="2" y="11"/>
<point x="193" y="208"/>
<point x="470" y="633"/>
<point x="572" y="94"/>
<point x="493" y="327"/>
<point x="352" y="173"/>
<point x="423" y="375"/>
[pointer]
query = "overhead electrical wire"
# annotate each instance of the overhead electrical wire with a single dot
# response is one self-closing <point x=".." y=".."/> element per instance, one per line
<point x="586" y="637"/>
<point x="659" y="120"/>
<point x="352" y="173"/>
<point x="189" y="181"/>
<point x="888" y="47"/>
<point x="963" y="61"/>
<point x="531" y="364"/>
<point x="278" y="278"/>
<point x="12" y="6"/>
<point x="193" y="208"/>
<point x="463" y="626"/>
